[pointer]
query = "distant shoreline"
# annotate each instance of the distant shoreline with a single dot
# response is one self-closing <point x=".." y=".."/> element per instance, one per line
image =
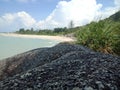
<point x="58" y="38"/>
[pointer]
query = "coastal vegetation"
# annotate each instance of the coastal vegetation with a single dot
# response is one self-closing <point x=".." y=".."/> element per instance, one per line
<point x="102" y="36"/>
<point x="55" y="31"/>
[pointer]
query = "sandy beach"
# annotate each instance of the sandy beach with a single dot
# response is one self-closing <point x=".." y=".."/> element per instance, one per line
<point x="58" y="38"/>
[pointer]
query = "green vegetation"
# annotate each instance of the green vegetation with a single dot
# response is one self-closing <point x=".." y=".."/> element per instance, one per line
<point x="36" y="32"/>
<point x="102" y="36"/>
<point x="56" y="31"/>
<point x="115" y="17"/>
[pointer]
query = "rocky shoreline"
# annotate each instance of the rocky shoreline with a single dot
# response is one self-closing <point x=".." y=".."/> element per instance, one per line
<point x="62" y="67"/>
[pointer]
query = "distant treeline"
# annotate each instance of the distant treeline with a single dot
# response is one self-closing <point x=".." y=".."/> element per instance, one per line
<point x="55" y="31"/>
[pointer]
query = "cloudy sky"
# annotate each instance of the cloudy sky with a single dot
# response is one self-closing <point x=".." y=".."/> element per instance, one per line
<point x="41" y="14"/>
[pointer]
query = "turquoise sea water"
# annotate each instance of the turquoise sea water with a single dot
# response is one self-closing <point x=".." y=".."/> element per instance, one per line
<point x="10" y="46"/>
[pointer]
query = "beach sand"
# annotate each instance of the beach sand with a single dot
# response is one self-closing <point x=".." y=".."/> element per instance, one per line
<point x="58" y="38"/>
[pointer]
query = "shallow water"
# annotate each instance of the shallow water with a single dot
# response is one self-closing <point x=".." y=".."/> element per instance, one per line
<point x="10" y="46"/>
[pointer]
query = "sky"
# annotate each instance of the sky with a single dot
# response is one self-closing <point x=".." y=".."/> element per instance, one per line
<point x="49" y="14"/>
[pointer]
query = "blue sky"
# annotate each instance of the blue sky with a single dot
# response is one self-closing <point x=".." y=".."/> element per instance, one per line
<point x="15" y="14"/>
<point x="38" y="9"/>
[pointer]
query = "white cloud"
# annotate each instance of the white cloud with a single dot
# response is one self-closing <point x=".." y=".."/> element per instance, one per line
<point x="117" y="2"/>
<point x="26" y="19"/>
<point x="11" y="22"/>
<point x="107" y="12"/>
<point x="80" y="11"/>
<point x="110" y="10"/>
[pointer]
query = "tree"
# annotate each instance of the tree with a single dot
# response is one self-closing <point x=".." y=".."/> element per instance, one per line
<point x="32" y="29"/>
<point x="71" y="24"/>
<point x="22" y="30"/>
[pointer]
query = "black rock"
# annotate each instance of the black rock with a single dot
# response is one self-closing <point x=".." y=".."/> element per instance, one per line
<point x="62" y="67"/>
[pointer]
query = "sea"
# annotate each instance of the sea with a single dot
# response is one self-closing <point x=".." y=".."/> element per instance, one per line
<point x="10" y="46"/>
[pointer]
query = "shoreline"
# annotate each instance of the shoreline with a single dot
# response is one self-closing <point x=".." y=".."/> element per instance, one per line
<point x="58" y="38"/>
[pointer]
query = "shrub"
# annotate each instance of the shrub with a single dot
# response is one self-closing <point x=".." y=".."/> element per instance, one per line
<point x="101" y="36"/>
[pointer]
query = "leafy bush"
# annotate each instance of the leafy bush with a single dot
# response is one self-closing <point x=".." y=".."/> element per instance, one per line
<point x="101" y="36"/>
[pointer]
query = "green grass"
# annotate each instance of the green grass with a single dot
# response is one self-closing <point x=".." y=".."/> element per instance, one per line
<point x="102" y="36"/>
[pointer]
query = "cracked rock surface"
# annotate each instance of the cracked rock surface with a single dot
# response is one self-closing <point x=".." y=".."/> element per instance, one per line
<point x="62" y="67"/>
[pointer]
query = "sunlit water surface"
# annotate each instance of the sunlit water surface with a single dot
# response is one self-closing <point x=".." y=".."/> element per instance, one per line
<point x="10" y="46"/>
